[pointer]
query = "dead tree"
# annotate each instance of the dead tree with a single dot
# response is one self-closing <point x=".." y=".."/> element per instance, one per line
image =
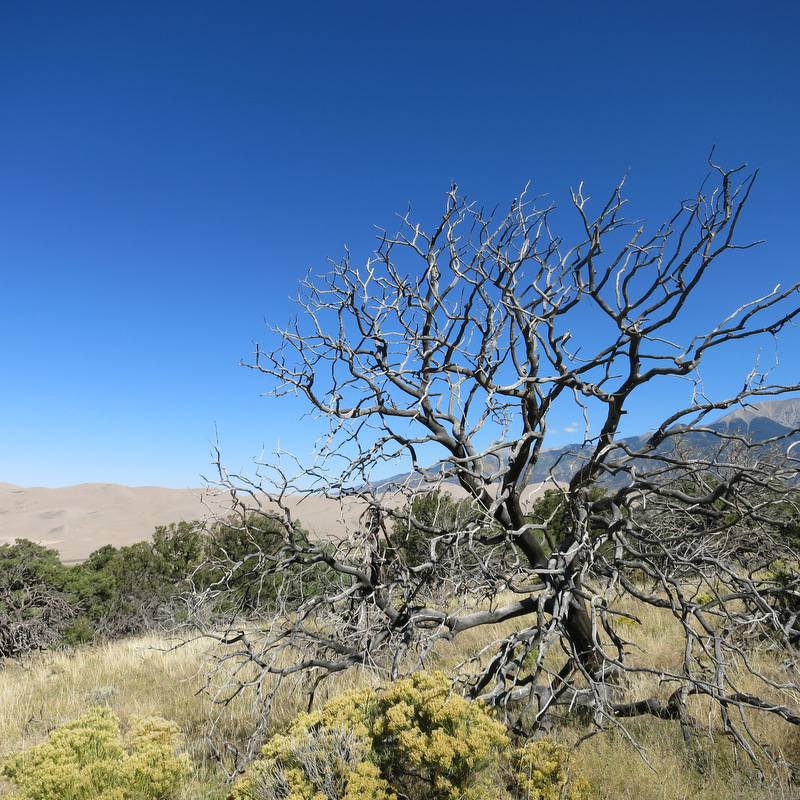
<point x="446" y="355"/>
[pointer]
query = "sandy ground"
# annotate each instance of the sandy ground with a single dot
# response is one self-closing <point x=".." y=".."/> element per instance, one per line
<point x="77" y="520"/>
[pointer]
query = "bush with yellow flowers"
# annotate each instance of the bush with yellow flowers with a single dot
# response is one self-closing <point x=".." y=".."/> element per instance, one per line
<point x="542" y="773"/>
<point x="434" y="743"/>
<point x="90" y="759"/>
<point x="416" y="739"/>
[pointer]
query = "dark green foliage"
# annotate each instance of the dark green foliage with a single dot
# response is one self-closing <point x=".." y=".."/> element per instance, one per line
<point x="128" y="590"/>
<point x="785" y="571"/>
<point x="421" y="543"/>
<point x="788" y="514"/>
<point x="178" y="550"/>
<point x="34" y="606"/>
<point x="433" y="514"/>
<point x="122" y="591"/>
<point x="437" y="513"/>
<point x="241" y="559"/>
<point x="239" y="554"/>
<point x="94" y="583"/>
<point x="551" y="513"/>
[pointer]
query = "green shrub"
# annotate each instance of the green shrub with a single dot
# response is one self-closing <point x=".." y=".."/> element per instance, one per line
<point x="89" y="759"/>
<point x="247" y="559"/>
<point x="551" y="511"/>
<point x="429" y="514"/>
<point x="34" y="607"/>
<point x="129" y="590"/>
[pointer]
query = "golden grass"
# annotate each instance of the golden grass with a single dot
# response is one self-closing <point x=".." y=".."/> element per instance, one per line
<point x="143" y="676"/>
<point x="133" y="676"/>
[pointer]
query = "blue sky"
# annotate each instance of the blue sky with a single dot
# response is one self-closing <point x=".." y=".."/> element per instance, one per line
<point x="170" y="170"/>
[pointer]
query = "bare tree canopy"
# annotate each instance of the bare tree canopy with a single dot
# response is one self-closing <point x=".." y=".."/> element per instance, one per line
<point x="447" y="353"/>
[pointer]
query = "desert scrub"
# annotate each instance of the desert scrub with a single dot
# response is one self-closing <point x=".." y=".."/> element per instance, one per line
<point x="433" y="742"/>
<point x="542" y="773"/>
<point x="90" y="759"/>
<point x="416" y="739"/>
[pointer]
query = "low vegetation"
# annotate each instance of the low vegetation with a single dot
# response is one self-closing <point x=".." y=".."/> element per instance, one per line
<point x="90" y="759"/>
<point x="413" y="739"/>
<point x="144" y="677"/>
<point x="126" y="591"/>
<point x="416" y="737"/>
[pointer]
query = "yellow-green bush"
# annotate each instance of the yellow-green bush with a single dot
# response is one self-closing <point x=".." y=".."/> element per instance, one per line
<point x="416" y="738"/>
<point x="542" y="773"/>
<point x="434" y="742"/>
<point x="90" y="759"/>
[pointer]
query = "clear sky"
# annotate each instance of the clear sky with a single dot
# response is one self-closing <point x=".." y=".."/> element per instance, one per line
<point x="170" y="170"/>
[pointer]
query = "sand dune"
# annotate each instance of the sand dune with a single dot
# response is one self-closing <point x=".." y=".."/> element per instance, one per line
<point x="77" y="520"/>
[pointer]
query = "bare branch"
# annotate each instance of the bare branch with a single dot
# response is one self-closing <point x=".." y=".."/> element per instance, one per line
<point x="443" y="358"/>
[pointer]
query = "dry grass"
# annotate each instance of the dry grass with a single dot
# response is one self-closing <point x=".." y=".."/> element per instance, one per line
<point x="649" y="760"/>
<point x="134" y="676"/>
<point x="144" y="676"/>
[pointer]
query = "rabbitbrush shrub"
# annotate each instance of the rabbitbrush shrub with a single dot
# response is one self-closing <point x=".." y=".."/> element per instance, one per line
<point x="434" y="743"/>
<point x="542" y="773"/>
<point x="90" y="759"/>
<point x="415" y="739"/>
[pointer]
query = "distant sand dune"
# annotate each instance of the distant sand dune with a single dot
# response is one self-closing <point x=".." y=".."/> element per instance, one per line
<point x="77" y="520"/>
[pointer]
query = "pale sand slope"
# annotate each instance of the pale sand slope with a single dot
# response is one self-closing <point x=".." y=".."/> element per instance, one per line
<point x="77" y="520"/>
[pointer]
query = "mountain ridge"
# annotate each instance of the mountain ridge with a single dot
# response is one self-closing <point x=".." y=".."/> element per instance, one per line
<point x="760" y="421"/>
<point x="78" y="519"/>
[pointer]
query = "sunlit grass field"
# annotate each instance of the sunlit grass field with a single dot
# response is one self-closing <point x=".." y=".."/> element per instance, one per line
<point x="649" y="760"/>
